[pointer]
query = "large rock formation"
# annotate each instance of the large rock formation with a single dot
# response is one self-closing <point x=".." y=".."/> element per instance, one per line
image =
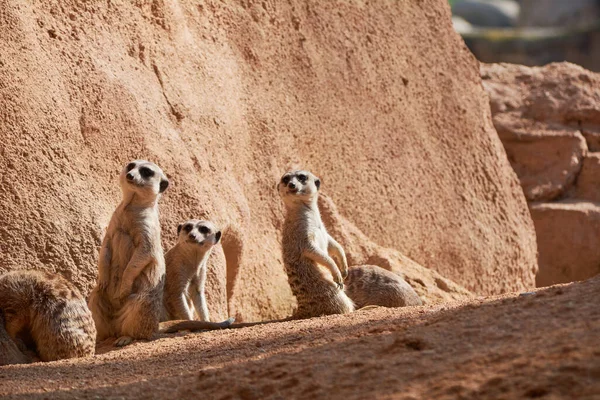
<point x="548" y="120"/>
<point x="383" y="101"/>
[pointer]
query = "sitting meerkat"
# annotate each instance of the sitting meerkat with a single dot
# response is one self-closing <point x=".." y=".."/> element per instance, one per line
<point x="370" y="285"/>
<point x="184" y="296"/>
<point x="309" y="252"/>
<point x="127" y="301"/>
<point x="45" y="315"/>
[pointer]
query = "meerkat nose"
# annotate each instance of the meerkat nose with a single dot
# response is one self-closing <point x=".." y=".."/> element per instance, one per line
<point x="129" y="176"/>
<point x="192" y="236"/>
<point x="292" y="185"/>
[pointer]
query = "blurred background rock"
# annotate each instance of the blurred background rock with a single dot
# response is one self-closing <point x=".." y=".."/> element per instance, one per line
<point x="531" y="32"/>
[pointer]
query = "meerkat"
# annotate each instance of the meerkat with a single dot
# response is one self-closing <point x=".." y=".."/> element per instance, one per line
<point x="10" y="353"/>
<point x="45" y="315"/>
<point x="127" y="301"/>
<point x="370" y="285"/>
<point x="184" y="296"/>
<point x="314" y="262"/>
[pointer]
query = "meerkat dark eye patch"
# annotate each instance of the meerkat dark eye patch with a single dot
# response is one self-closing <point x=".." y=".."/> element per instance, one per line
<point x="203" y="229"/>
<point x="163" y="186"/>
<point x="285" y="180"/>
<point x="130" y="166"/>
<point x="302" y="178"/>
<point x="146" y="172"/>
<point x="188" y="227"/>
<point x="318" y="183"/>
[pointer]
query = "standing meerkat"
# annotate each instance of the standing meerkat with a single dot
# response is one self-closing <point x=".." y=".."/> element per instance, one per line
<point x="184" y="296"/>
<point x="127" y="301"/>
<point x="46" y="315"/>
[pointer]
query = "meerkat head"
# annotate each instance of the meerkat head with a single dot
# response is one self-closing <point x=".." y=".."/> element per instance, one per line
<point x="199" y="233"/>
<point x="298" y="186"/>
<point x="144" y="178"/>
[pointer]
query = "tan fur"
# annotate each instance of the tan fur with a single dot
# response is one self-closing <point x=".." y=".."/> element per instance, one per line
<point x="184" y="296"/>
<point x="45" y="315"/>
<point x="127" y="300"/>
<point x="9" y="351"/>
<point x="370" y="285"/>
<point x="314" y="262"/>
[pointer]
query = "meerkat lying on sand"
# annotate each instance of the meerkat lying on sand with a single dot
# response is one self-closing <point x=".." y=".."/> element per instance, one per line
<point x="370" y="285"/>
<point x="127" y="301"/>
<point x="46" y="315"/>
<point x="184" y="296"/>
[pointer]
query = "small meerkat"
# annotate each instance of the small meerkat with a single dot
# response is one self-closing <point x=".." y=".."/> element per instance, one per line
<point x="370" y="285"/>
<point x="184" y="296"/>
<point x="314" y="262"/>
<point x="46" y="315"/>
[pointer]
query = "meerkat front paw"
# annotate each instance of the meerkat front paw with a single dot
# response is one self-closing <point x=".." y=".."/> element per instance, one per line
<point x="344" y="271"/>
<point x="123" y="341"/>
<point x="122" y="293"/>
<point x="339" y="281"/>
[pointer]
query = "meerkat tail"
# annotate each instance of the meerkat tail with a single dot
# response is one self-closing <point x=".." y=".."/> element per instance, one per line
<point x="176" y="326"/>
<point x="271" y="321"/>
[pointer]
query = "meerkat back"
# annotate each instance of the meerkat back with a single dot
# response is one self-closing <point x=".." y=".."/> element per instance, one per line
<point x="370" y="285"/>
<point x="47" y="314"/>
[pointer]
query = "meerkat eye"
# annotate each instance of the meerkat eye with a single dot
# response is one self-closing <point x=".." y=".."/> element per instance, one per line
<point x="285" y="180"/>
<point x="187" y="228"/>
<point x="302" y="178"/>
<point x="130" y="166"/>
<point x="204" y="230"/>
<point x="146" y="172"/>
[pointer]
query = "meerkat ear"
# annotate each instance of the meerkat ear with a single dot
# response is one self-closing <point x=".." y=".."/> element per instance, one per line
<point x="164" y="184"/>
<point x="179" y="228"/>
<point x="318" y="183"/>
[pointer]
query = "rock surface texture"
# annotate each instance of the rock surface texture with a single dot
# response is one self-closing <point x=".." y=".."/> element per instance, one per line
<point x="548" y="119"/>
<point x="382" y="101"/>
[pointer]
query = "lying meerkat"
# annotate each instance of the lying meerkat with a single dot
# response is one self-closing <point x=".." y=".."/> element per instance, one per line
<point x="370" y="285"/>
<point x="9" y="351"/>
<point x="127" y="301"/>
<point x="184" y="296"/>
<point x="46" y="315"/>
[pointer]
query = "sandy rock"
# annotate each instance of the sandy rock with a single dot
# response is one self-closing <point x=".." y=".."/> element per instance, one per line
<point x="546" y="158"/>
<point x="568" y="234"/>
<point x="588" y="181"/>
<point x="383" y="102"/>
<point x="548" y="119"/>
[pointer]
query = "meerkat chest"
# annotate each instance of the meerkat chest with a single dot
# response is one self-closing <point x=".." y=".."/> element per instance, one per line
<point x="317" y="234"/>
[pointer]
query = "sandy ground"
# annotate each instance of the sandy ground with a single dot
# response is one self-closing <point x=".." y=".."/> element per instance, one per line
<point x="542" y="345"/>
